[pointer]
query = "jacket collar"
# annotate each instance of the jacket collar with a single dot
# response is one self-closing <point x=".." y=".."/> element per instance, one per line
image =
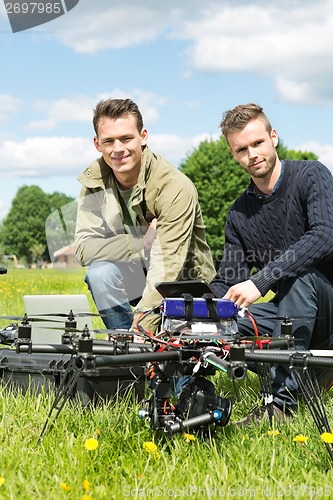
<point x="99" y="175"/>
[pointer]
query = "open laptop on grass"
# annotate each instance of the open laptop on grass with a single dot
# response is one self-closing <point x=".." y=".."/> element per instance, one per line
<point x="38" y="305"/>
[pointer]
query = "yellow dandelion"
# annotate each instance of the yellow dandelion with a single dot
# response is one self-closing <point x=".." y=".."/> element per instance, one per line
<point x="91" y="444"/>
<point x="86" y="497"/>
<point x="65" y="487"/>
<point x="300" y="438"/>
<point x="327" y="437"/>
<point x="189" y="437"/>
<point x="2" y="480"/>
<point x="86" y="485"/>
<point x="273" y="433"/>
<point x="151" y="448"/>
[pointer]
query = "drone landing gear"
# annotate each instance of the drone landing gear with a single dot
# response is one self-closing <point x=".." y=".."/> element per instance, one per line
<point x="64" y="391"/>
<point x="302" y="365"/>
<point x="312" y="394"/>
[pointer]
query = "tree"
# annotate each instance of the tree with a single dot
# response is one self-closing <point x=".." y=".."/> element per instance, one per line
<point x="58" y="200"/>
<point x="219" y="180"/>
<point x="23" y="229"/>
<point x="37" y="251"/>
<point x="60" y="226"/>
<point x="291" y="154"/>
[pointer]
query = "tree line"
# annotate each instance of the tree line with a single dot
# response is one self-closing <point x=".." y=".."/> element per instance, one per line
<point x="22" y="232"/>
<point x="217" y="176"/>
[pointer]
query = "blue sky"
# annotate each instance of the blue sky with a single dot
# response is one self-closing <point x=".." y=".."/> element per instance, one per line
<point x="184" y="62"/>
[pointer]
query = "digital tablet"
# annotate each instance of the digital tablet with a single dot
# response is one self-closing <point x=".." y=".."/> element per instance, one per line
<point x="196" y="288"/>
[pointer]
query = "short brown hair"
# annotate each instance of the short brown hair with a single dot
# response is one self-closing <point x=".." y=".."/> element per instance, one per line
<point x="237" y="118"/>
<point x="115" y="108"/>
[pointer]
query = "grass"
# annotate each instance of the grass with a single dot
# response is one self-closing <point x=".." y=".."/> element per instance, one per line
<point x="259" y="462"/>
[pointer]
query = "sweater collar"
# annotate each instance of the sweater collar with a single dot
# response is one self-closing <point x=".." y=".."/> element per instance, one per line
<point x="251" y="191"/>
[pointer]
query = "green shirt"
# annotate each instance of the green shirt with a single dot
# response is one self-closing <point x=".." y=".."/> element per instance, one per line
<point x="129" y="215"/>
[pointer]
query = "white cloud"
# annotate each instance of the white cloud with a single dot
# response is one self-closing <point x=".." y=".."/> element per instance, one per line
<point x="45" y="156"/>
<point x="67" y="156"/>
<point x="292" y="45"/>
<point x="9" y="105"/>
<point x="47" y="124"/>
<point x="323" y="151"/>
<point x="289" y="42"/>
<point x="79" y="108"/>
<point x="174" y="148"/>
<point x="297" y="92"/>
<point x="110" y="26"/>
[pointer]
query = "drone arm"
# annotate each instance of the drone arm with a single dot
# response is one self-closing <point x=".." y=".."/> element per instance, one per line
<point x="137" y="359"/>
<point x="293" y="358"/>
<point x="235" y="369"/>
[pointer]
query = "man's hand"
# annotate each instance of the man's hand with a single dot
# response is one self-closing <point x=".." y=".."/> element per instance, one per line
<point x="243" y="294"/>
<point x="150" y="235"/>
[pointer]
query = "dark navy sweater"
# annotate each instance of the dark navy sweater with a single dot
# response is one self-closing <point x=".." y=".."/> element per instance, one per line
<point x="281" y="235"/>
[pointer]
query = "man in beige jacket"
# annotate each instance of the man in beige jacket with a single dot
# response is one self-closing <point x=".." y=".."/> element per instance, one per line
<point x="139" y="221"/>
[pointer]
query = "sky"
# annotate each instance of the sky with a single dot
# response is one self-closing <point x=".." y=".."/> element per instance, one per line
<point x="183" y="62"/>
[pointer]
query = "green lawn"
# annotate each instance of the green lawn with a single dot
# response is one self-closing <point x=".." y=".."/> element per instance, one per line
<point x="259" y="462"/>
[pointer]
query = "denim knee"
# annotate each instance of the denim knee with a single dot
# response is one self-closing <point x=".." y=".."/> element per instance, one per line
<point x="103" y="272"/>
<point x="105" y="282"/>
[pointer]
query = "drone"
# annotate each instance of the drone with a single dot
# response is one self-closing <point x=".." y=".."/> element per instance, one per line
<point x="198" y="337"/>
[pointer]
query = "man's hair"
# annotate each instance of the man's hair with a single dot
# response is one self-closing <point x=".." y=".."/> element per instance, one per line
<point x="234" y="120"/>
<point x="115" y="108"/>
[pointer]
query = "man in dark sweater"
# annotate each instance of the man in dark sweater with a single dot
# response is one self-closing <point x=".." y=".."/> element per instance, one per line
<point x="278" y="237"/>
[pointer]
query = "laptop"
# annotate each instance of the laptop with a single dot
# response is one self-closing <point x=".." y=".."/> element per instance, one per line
<point x="37" y="305"/>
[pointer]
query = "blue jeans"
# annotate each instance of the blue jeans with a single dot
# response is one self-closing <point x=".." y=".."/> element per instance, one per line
<point x="114" y="286"/>
<point x="309" y="298"/>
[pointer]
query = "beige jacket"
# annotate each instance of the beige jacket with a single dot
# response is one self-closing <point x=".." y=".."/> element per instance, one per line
<point x="180" y="250"/>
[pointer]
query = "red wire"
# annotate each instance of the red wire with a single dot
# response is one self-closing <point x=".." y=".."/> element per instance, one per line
<point x="254" y="324"/>
<point x="255" y="327"/>
<point x="156" y="339"/>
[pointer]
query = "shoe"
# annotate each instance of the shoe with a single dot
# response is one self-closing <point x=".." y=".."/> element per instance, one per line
<point x="325" y="380"/>
<point x="264" y="413"/>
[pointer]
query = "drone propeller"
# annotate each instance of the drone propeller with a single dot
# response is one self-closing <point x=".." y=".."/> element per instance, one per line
<point x="25" y="318"/>
<point x="70" y="314"/>
<point x="74" y="315"/>
<point x="70" y="329"/>
<point x="16" y="318"/>
<point x="286" y="317"/>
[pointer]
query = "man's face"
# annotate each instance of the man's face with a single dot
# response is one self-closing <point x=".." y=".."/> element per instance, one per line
<point x="254" y="148"/>
<point x="120" y="143"/>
